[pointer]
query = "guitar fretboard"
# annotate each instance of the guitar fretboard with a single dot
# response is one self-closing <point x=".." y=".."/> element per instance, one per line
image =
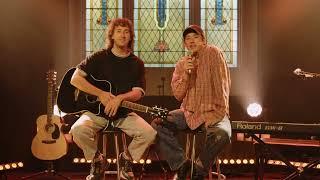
<point x="134" y="106"/>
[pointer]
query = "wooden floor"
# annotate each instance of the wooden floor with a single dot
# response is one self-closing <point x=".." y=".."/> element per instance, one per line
<point x="150" y="176"/>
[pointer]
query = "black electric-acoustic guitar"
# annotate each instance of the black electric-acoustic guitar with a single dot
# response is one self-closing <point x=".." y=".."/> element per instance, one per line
<point x="49" y="142"/>
<point x="71" y="100"/>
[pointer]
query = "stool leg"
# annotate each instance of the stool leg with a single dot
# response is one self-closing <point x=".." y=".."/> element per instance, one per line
<point x="188" y="146"/>
<point x="104" y="149"/>
<point x="162" y="167"/>
<point x="218" y="169"/>
<point x="117" y="154"/>
<point x="142" y="170"/>
<point x="218" y="173"/>
<point x="210" y="173"/>
<point x="193" y="154"/>
<point x="124" y="142"/>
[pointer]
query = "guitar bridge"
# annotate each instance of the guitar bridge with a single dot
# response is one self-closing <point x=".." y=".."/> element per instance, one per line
<point x="48" y="141"/>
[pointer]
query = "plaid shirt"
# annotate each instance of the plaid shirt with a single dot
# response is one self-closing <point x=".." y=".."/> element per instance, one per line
<point x="204" y="94"/>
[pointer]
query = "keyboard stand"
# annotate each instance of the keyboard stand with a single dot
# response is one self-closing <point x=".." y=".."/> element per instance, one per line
<point x="265" y="147"/>
<point x="260" y="165"/>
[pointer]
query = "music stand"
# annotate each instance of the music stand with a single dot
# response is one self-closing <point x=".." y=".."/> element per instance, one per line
<point x="50" y="171"/>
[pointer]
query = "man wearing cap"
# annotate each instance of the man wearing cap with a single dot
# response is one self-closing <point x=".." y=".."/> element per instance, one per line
<point x="202" y="82"/>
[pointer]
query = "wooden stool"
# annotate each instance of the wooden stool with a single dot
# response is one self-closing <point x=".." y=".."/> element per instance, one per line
<point x="115" y="132"/>
<point x="191" y="156"/>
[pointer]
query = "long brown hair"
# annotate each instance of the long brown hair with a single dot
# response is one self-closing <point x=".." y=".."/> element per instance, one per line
<point x="124" y="22"/>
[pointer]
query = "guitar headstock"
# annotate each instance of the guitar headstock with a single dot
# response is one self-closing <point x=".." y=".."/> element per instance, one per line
<point x="158" y="112"/>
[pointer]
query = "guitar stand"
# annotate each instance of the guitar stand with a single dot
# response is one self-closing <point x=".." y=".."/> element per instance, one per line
<point x="48" y="172"/>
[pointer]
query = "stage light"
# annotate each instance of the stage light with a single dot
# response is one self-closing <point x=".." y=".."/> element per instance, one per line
<point x="238" y="161"/>
<point x="83" y="160"/>
<point x="148" y="161"/>
<point x="225" y="161"/>
<point x="14" y="165"/>
<point x="251" y="161"/>
<point x="245" y="161"/>
<point x="10" y="166"/>
<point x="254" y="109"/>
<point x="231" y="161"/>
<point x="75" y="160"/>
<point x="109" y="160"/>
<point x="141" y="161"/>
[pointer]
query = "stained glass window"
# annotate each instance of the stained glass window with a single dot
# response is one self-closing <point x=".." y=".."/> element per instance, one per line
<point x="159" y="25"/>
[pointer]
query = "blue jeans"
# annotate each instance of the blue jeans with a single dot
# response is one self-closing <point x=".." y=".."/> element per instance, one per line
<point x="217" y="136"/>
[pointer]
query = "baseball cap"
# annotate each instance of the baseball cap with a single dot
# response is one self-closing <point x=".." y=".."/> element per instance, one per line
<point x="193" y="29"/>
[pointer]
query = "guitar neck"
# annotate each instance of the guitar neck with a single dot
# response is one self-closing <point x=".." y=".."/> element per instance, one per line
<point x="50" y="103"/>
<point x="135" y="106"/>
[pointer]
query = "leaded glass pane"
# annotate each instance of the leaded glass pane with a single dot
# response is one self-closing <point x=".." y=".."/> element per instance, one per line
<point x="98" y="14"/>
<point x="219" y="19"/>
<point x="159" y="25"/>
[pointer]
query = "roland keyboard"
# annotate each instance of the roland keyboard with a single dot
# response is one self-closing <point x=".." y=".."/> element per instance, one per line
<point x="275" y="128"/>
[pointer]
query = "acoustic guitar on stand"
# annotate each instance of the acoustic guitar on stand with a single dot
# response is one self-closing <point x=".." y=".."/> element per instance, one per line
<point x="49" y="142"/>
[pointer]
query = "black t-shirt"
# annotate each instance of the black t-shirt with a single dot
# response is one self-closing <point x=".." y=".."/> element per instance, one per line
<point x="123" y="73"/>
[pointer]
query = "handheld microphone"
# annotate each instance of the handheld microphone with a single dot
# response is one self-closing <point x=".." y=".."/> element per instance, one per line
<point x="191" y="54"/>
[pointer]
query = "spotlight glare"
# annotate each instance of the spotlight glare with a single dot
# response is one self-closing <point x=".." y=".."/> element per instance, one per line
<point x="7" y="166"/>
<point x="141" y="161"/>
<point x="1" y="168"/>
<point x="254" y="109"/>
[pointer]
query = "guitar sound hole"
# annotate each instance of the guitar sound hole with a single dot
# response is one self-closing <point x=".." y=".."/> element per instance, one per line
<point x="50" y="128"/>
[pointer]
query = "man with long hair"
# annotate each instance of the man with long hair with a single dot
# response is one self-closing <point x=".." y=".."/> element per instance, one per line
<point x="125" y="71"/>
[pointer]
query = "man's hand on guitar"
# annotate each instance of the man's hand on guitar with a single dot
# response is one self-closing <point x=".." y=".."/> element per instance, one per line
<point x="113" y="105"/>
<point x="105" y="97"/>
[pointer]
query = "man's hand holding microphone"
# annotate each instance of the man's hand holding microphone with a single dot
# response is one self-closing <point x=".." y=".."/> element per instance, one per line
<point x="190" y="64"/>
